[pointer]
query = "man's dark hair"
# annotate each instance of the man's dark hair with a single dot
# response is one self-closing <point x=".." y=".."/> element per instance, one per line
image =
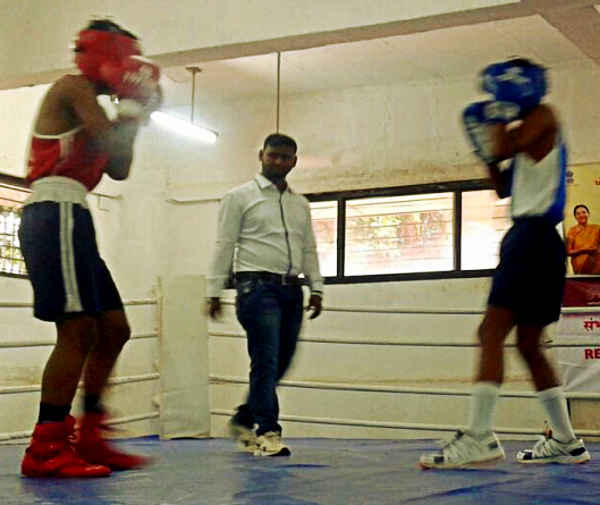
<point x="580" y="206"/>
<point x="278" y="139"/>
<point x="106" y="25"/>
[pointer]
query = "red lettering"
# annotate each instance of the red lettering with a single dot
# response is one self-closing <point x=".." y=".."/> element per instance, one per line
<point x="589" y="354"/>
<point x="596" y="353"/>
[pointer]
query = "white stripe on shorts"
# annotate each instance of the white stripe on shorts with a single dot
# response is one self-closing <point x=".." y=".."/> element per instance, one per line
<point x="67" y="258"/>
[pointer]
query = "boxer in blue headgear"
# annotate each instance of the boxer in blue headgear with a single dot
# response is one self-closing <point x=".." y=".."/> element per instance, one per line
<point x="518" y="81"/>
<point x="518" y="86"/>
<point x="528" y="282"/>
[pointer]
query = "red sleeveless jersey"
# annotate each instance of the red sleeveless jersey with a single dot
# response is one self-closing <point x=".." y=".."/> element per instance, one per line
<point x="70" y="154"/>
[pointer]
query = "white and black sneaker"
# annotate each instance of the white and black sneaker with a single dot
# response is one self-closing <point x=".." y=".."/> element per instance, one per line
<point x="270" y="444"/>
<point x="244" y="436"/>
<point x="550" y="450"/>
<point x="463" y="451"/>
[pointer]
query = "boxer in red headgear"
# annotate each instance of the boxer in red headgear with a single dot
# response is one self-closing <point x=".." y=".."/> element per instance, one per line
<point x="73" y="145"/>
<point x="103" y="42"/>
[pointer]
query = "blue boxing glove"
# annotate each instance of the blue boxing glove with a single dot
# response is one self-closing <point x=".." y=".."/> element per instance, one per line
<point x="479" y="118"/>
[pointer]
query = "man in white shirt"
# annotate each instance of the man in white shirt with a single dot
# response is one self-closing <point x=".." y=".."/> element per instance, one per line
<point x="265" y="236"/>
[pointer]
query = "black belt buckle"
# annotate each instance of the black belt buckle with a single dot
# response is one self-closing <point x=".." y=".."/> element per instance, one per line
<point x="280" y="279"/>
<point x="288" y="280"/>
<point x="292" y="280"/>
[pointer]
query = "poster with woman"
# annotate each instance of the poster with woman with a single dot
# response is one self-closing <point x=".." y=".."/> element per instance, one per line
<point x="578" y="331"/>
<point x="582" y="220"/>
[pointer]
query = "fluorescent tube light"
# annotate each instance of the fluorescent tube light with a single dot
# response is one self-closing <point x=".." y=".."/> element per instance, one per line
<point x="184" y="127"/>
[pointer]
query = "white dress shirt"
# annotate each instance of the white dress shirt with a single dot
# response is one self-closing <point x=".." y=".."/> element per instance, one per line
<point x="261" y="229"/>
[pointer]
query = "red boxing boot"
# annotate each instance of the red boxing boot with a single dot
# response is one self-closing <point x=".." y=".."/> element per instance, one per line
<point x="51" y="454"/>
<point x="93" y="447"/>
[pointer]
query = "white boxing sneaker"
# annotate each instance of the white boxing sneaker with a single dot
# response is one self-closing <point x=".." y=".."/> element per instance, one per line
<point x="463" y="451"/>
<point x="270" y="444"/>
<point x="549" y="450"/>
<point x="244" y="436"/>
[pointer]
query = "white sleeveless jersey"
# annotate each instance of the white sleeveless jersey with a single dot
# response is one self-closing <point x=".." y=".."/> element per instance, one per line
<point x="539" y="189"/>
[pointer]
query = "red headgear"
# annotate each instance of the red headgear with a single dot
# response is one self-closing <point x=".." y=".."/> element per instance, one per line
<point x="94" y="47"/>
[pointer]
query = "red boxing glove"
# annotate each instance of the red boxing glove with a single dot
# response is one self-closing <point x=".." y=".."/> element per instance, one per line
<point x="133" y="77"/>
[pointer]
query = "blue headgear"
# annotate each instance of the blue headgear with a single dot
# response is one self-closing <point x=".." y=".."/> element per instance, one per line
<point x="517" y="80"/>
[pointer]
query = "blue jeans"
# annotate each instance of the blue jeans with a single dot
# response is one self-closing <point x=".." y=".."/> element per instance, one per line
<point x="272" y="316"/>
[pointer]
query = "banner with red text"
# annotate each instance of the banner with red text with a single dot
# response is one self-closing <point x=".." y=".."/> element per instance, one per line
<point x="578" y="335"/>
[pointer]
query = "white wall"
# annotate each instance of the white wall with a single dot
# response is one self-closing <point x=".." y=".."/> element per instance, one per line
<point x="19" y="107"/>
<point x="372" y="136"/>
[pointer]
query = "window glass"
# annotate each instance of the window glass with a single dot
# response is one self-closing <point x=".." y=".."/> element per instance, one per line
<point x="11" y="260"/>
<point x="324" y="222"/>
<point x="401" y="234"/>
<point x="485" y="219"/>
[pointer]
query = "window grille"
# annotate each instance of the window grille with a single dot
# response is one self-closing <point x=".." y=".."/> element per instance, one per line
<point x="11" y="199"/>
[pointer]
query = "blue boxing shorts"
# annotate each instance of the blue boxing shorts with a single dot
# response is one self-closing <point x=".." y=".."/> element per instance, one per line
<point x="58" y="243"/>
<point x="530" y="278"/>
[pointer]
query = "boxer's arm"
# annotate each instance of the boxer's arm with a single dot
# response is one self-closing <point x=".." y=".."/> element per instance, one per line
<point x="121" y="137"/>
<point x="535" y="135"/>
<point x="80" y="98"/>
<point x="501" y="179"/>
<point x="495" y="177"/>
<point x="115" y="138"/>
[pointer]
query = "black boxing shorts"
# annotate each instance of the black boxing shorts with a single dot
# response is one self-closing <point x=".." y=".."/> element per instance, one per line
<point x="58" y="243"/>
<point x="530" y="277"/>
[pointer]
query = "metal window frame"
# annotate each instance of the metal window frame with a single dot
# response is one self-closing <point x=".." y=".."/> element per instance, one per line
<point x="457" y="188"/>
<point x="18" y="183"/>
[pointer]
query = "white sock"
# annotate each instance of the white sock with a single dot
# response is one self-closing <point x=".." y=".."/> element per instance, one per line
<point x="555" y="403"/>
<point x="483" y="405"/>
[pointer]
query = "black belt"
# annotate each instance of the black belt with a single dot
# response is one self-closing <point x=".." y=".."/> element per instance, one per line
<point x="280" y="279"/>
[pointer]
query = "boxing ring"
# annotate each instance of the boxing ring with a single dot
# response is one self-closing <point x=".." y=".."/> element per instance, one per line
<point x="22" y="400"/>
<point x="146" y="394"/>
<point x="409" y="385"/>
<point x="355" y="414"/>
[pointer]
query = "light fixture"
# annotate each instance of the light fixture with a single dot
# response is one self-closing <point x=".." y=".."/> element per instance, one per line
<point x="187" y="128"/>
<point x="278" y="92"/>
<point x="184" y="127"/>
